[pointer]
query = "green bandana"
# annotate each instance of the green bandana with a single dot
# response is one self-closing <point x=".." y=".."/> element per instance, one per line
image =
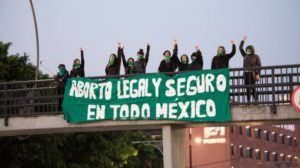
<point x="221" y="53"/>
<point x="167" y="58"/>
<point x="249" y="52"/>
<point x="111" y="61"/>
<point x="61" y="71"/>
<point x="76" y="66"/>
<point x="140" y="57"/>
<point x="184" y="61"/>
<point x="130" y="64"/>
<point x="194" y="58"/>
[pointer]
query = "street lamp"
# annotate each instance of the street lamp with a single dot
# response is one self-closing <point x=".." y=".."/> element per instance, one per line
<point x="37" y="41"/>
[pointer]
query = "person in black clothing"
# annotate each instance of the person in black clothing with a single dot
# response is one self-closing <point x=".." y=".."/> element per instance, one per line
<point x="78" y="68"/>
<point x="114" y="63"/>
<point x="141" y="62"/>
<point x="251" y="60"/>
<point x="221" y="60"/>
<point x="61" y="78"/>
<point x="128" y="65"/>
<point x="169" y="64"/>
<point x="183" y="63"/>
<point x="197" y="60"/>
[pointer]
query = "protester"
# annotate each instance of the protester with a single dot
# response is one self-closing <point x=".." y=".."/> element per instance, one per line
<point x="128" y="65"/>
<point x="114" y="63"/>
<point x="197" y="60"/>
<point x="169" y="63"/>
<point x="61" y="78"/>
<point x="78" y="68"/>
<point x="251" y="60"/>
<point x="183" y="63"/>
<point x="141" y="62"/>
<point x="221" y="60"/>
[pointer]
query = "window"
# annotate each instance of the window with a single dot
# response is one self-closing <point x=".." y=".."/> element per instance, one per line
<point x="281" y="138"/>
<point x="257" y="154"/>
<point x="282" y="157"/>
<point x="241" y="150"/>
<point x="274" y="137"/>
<point x="274" y="157"/>
<point x="249" y="152"/>
<point x="248" y="131"/>
<point x="289" y="158"/>
<point x="295" y="142"/>
<point x="232" y="149"/>
<point x="241" y="130"/>
<point x="232" y="129"/>
<point x="266" y="135"/>
<point x="267" y="155"/>
<point x="257" y="133"/>
<point x="290" y="140"/>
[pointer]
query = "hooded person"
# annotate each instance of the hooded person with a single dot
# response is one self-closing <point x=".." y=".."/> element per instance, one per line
<point x="141" y="62"/>
<point x="183" y="63"/>
<point x="221" y="60"/>
<point x="128" y="65"/>
<point x="78" y="68"/>
<point x="251" y="60"/>
<point x="114" y="63"/>
<point x="61" y="78"/>
<point x="169" y="63"/>
<point x="197" y="60"/>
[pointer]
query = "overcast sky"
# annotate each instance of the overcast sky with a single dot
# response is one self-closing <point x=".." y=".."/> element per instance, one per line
<point x="272" y="26"/>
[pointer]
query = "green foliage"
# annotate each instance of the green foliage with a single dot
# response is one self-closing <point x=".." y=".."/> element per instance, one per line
<point x="16" y="67"/>
<point x="78" y="150"/>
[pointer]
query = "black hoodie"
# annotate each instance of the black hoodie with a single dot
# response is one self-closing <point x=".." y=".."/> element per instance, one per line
<point x="223" y="61"/>
<point x="78" y="72"/>
<point x="141" y="64"/>
<point x="198" y="63"/>
<point x="114" y="69"/>
<point x="169" y="66"/>
<point x="251" y="60"/>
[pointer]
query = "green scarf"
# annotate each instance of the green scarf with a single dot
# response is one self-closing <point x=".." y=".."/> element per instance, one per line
<point x="61" y="71"/>
<point x="140" y="57"/>
<point x="167" y="59"/>
<point x="76" y="66"/>
<point x="221" y="53"/>
<point x="194" y="58"/>
<point x="130" y="64"/>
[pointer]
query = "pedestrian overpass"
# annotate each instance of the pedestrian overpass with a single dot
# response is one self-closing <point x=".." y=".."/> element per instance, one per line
<point x="31" y="107"/>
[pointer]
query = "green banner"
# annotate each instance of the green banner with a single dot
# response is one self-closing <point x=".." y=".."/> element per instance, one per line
<point x="196" y="96"/>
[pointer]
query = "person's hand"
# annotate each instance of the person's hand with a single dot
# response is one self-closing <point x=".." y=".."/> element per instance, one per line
<point x="174" y="43"/>
<point x="81" y="49"/>
<point x="120" y="45"/>
<point x="245" y="38"/>
<point x="232" y="42"/>
<point x="257" y="77"/>
<point x="148" y="44"/>
<point x="197" y="47"/>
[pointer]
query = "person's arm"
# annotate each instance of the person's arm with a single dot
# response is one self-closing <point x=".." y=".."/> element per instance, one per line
<point x="123" y="56"/>
<point x="82" y="58"/>
<point x="199" y="56"/>
<point x="161" y="66"/>
<point x="119" y="55"/>
<point x="147" y="53"/>
<point x="242" y="46"/>
<point x="175" y="49"/>
<point x="230" y="55"/>
<point x="257" y="64"/>
<point x="213" y="63"/>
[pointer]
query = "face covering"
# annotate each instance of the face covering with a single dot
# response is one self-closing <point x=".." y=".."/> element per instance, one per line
<point x="111" y="61"/>
<point x="167" y="58"/>
<point x="61" y="71"/>
<point x="130" y="64"/>
<point x="194" y="58"/>
<point x="184" y="60"/>
<point x="220" y="53"/>
<point x="140" y="56"/>
<point x="249" y="52"/>
<point x="76" y="66"/>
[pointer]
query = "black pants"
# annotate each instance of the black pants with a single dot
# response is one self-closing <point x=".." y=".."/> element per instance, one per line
<point x="60" y="94"/>
<point x="249" y="80"/>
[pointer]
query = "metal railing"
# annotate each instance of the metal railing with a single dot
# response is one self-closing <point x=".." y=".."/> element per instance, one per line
<point x="41" y="97"/>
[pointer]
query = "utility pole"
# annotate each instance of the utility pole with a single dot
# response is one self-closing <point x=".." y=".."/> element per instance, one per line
<point x="37" y="42"/>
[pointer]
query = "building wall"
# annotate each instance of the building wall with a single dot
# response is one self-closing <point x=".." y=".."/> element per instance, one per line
<point x="243" y="146"/>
